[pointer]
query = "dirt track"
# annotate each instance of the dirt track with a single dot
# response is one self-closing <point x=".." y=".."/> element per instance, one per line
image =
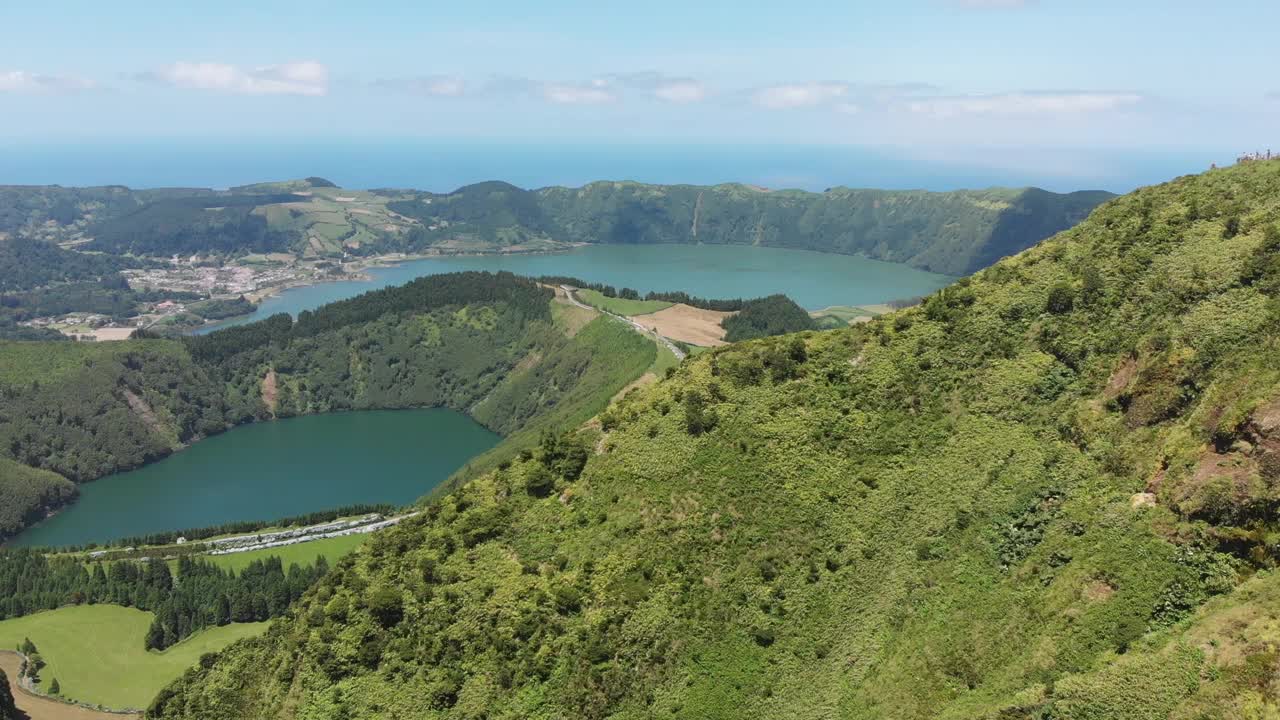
<point x="41" y="708"/>
<point x="687" y="324"/>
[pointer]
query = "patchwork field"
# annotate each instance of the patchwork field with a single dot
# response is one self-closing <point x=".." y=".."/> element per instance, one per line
<point x="687" y="324"/>
<point x="96" y="652"/>
<point x="331" y="219"/>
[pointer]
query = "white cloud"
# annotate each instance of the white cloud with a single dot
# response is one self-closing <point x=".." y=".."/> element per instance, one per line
<point x="22" y="81"/>
<point x="595" y="93"/>
<point x="681" y="91"/>
<point x="1023" y="103"/>
<point x="799" y="95"/>
<point x="445" y="86"/>
<point x="667" y="88"/>
<point x="294" y="78"/>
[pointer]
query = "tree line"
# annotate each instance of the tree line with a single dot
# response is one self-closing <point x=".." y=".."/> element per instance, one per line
<point x="676" y="296"/>
<point x="204" y="595"/>
<point x="201" y="595"/>
<point x="248" y="526"/>
<point x="421" y="295"/>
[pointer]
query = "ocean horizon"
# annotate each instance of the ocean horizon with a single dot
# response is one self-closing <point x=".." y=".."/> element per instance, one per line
<point x="442" y="166"/>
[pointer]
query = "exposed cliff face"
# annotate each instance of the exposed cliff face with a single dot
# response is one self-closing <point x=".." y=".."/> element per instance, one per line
<point x="1035" y="495"/>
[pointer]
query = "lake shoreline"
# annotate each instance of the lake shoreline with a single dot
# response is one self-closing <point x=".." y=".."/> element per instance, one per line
<point x="365" y="271"/>
<point x="357" y="273"/>
<point x="17" y="541"/>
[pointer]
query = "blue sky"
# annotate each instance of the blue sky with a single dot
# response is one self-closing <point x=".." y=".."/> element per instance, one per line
<point x="939" y="76"/>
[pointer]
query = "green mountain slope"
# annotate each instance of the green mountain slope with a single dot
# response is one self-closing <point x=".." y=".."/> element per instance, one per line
<point x="1048" y="492"/>
<point x="950" y="232"/>
<point x="496" y="346"/>
<point x="27" y="492"/>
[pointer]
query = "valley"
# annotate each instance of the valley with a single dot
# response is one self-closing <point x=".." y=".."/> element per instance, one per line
<point x="642" y="487"/>
<point x="936" y="513"/>
<point x="814" y="280"/>
<point x="173" y="260"/>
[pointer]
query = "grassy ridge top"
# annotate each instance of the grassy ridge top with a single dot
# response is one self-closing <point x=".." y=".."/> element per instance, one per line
<point x="1047" y="491"/>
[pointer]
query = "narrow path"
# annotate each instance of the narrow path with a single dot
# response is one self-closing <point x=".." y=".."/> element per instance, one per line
<point x="39" y="707"/>
<point x="569" y="292"/>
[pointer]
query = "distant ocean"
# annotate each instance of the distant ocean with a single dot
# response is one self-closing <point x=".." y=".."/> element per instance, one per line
<point x="442" y="166"/>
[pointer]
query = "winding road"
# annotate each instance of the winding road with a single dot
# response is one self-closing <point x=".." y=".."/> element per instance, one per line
<point x="40" y="707"/>
<point x="569" y="293"/>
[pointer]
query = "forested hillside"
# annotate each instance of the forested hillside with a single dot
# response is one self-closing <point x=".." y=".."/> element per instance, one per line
<point x="26" y="264"/>
<point x="27" y="493"/>
<point x="948" y="232"/>
<point x="491" y="345"/>
<point x="221" y="224"/>
<point x="1047" y="492"/>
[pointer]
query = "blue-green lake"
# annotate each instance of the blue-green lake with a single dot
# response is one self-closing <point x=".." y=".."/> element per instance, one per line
<point x="814" y="280"/>
<point x="271" y="470"/>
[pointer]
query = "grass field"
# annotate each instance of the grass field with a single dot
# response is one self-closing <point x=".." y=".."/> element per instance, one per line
<point x="666" y="359"/>
<point x="303" y="553"/>
<point x="841" y="315"/>
<point x="96" y="652"/>
<point x="618" y="306"/>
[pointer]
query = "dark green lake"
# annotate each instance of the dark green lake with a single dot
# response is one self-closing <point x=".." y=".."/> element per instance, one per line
<point x="814" y="280"/>
<point x="272" y="470"/>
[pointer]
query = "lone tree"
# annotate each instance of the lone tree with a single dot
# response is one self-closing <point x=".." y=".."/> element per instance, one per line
<point x="8" y="709"/>
<point x="55" y="688"/>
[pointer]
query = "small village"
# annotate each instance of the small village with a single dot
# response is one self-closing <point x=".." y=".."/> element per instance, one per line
<point x="253" y="277"/>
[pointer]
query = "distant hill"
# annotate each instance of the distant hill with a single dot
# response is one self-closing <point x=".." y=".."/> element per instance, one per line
<point x="1049" y="491"/>
<point x="950" y="232"/>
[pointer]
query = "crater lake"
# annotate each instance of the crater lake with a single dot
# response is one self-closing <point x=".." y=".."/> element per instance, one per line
<point x="270" y="470"/>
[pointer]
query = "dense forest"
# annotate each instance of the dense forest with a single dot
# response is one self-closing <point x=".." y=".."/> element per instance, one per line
<point x="773" y="315"/>
<point x="224" y="224"/>
<point x="28" y="493"/>
<point x="1047" y="492"/>
<point x="27" y="264"/>
<point x="487" y="344"/>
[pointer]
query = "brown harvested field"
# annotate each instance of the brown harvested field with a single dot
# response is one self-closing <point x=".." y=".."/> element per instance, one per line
<point x="687" y="324"/>
<point x="111" y="334"/>
<point x="41" y="708"/>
